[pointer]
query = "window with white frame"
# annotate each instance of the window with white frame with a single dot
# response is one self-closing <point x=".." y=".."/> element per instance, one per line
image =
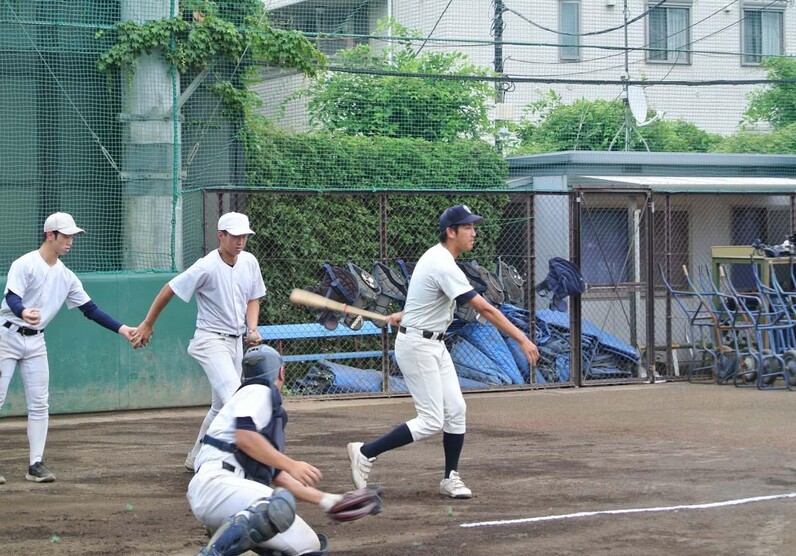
<point x="569" y="22"/>
<point x="762" y="28"/>
<point x="669" y="33"/>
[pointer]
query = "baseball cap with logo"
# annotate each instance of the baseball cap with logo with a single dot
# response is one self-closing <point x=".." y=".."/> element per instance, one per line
<point x="234" y="223"/>
<point x="457" y="214"/>
<point x="63" y="223"/>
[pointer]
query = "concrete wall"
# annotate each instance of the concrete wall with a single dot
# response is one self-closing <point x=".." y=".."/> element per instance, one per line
<point x="92" y="369"/>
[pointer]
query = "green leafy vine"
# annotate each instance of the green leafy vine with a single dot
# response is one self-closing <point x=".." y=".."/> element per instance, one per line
<point x="192" y="46"/>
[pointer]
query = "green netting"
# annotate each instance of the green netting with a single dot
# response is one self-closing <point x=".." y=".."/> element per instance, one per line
<point x="116" y="111"/>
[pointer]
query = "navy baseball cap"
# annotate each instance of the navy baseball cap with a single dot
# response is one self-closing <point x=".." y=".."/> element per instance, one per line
<point x="457" y="214"/>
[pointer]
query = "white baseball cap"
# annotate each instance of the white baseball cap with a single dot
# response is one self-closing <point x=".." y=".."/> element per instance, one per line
<point x="234" y="223"/>
<point x="63" y="223"/>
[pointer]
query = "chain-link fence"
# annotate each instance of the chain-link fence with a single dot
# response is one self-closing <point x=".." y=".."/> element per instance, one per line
<point x="144" y="119"/>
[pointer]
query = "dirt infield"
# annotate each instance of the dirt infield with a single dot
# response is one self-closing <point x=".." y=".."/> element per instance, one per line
<point x="121" y="485"/>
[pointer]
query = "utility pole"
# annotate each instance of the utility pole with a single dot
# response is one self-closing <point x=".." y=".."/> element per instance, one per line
<point x="500" y="86"/>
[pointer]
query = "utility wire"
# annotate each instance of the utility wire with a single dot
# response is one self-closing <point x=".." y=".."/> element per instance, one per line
<point x="433" y="28"/>
<point x="590" y="33"/>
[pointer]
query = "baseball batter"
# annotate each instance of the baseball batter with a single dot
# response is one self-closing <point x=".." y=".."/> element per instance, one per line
<point x="38" y="285"/>
<point x="242" y="461"/>
<point x="436" y="287"/>
<point x="228" y="286"/>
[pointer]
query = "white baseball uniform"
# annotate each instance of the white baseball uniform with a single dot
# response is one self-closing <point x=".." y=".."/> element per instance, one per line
<point x="216" y="493"/>
<point x="425" y="362"/>
<point x="222" y="294"/>
<point x="46" y="288"/>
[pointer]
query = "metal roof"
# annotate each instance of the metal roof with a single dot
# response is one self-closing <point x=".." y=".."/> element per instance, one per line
<point x="620" y="165"/>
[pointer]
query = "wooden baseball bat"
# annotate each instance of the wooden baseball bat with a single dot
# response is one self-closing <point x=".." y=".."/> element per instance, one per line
<point x="309" y="299"/>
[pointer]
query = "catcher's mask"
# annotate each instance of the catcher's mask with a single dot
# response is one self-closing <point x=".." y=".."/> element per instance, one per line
<point x="262" y="361"/>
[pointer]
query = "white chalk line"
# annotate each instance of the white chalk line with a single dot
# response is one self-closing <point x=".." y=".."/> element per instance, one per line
<point x="707" y="506"/>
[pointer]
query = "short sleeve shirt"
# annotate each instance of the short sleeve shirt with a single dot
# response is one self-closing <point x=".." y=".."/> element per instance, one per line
<point x="254" y="401"/>
<point x="222" y="291"/>
<point x="436" y="283"/>
<point x="43" y="287"/>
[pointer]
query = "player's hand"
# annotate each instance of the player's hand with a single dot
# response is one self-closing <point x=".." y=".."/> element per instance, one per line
<point x="127" y="332"/>
<point x="530" y="351"/>
<point x="253" y="337"/>
<point x="306" y="474"/>
<point x="395" y="318"/>
<point x="141" y="336"/>
<point x="31" y="316"/>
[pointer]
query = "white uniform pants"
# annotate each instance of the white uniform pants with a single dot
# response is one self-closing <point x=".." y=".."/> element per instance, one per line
<point x="30" y="352"/>
<point x="431" y="377"/>
<point x="220" y="357"/>
<point x="216" y="494"/>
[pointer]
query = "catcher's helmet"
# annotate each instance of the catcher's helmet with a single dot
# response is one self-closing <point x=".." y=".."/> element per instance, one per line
<point x="263" y="361"/>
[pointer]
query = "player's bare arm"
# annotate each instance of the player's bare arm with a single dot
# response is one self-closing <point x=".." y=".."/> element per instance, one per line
<point x="493" y="315"/>
<point x="260" y="449"/>
<point x="147" y="327"/>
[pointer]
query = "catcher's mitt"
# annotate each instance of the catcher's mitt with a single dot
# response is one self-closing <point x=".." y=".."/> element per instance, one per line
<point x="356" y="504"/>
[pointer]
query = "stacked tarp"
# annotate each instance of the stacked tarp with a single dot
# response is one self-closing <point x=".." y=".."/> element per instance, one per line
<point x="604" y="355"/>
<point x="327" y="377"/>
<point x="488" y="340"/>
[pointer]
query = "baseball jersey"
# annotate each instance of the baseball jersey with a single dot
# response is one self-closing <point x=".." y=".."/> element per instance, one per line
<point x="43" y="287"/>
<point x="253" y="401"/>
<point x="222" y="291"/>
<point x="431" y="298"/>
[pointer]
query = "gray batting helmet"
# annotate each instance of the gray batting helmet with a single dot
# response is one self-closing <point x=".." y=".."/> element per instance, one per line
<point x="263" y="361"/>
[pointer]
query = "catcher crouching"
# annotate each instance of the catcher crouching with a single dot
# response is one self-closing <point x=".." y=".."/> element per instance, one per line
<point x="245" y="488"/>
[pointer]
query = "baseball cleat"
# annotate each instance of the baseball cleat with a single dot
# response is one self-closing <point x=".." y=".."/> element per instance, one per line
<point x="360" y="465"/>
<point x="2" y="480"/>
<point x="38" y="473"/>
<point x="189" y="462"/>
<point x="454" y="487"/>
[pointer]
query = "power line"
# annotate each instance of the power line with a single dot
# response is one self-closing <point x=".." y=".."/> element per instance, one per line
<point x="601" y="32"/>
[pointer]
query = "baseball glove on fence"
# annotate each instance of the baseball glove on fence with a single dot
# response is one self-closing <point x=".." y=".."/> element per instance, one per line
<point x="356" y="504"/>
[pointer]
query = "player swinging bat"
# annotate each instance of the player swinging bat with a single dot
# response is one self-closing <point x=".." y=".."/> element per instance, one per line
<point x="310" y="299"/>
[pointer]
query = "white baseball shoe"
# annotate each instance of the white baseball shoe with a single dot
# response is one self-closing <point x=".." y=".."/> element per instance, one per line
<point x="189" y="462"/>
<point x="454" y="487"/>
<point x="2" y="480"/>
<point x="360" y="465"/>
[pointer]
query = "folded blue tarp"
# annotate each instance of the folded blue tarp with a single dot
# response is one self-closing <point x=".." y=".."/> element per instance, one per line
<point x="472" y="363"/>
<point x="490" y="342"/>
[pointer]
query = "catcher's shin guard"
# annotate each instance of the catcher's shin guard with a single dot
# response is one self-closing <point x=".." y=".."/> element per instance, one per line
<point x="258" y="523"/>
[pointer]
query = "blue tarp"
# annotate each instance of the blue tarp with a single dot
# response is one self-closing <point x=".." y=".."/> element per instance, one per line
<point x="487" y="339"/>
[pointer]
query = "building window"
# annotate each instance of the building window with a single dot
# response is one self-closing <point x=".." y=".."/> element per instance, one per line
<point x="604" y="246"/>
<point x="762" y="34"/>
<point x="669" y="35"/>
<point x="680" y="254"/>
<point x="569" y="22"/>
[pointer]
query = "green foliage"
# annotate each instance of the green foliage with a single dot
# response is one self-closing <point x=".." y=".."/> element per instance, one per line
<point x="322" y="161"/>
<point x="297" y="233"/>
<point x="192" y="46"/>
<point x="779" y="141"/>
<point x="393" y="106"/>
<point x="776" y="103"/>
<point x="586" y="125"/>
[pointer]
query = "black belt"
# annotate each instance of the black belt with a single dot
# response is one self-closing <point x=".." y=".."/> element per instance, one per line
<point x="24" y="330"/>
<point x="427" y="334"/>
